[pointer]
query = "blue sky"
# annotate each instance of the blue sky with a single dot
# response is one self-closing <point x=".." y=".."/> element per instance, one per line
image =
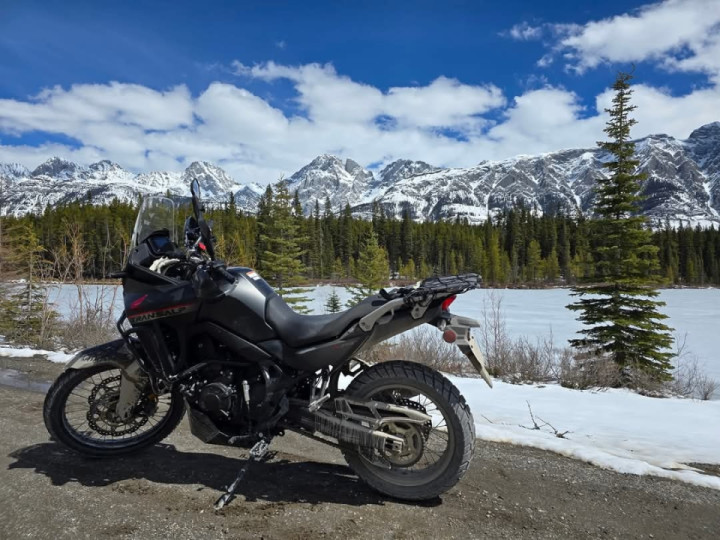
<point x="261" y="88"/>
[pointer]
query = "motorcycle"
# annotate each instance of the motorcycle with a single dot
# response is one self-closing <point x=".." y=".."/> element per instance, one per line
<point x="219" y="344"/>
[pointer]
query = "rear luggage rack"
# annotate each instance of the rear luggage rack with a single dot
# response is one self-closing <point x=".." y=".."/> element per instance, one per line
<point x="432" y="287"/>
<point x="419" y="298"/>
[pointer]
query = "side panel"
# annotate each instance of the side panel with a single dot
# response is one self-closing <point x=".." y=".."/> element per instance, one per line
<point x="150" y="302"/>
<point x="316" y="357"/>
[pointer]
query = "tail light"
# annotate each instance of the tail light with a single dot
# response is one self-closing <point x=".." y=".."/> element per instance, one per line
<point x="449" y="336"/>
<point x="446" y="303"/>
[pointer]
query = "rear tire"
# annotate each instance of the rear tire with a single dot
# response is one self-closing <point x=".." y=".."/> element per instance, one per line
<point x="61" y="429"/>
<point x="404" y="482"/>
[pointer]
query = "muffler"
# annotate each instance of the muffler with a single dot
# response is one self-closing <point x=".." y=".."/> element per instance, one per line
<point x="352" y="425"/>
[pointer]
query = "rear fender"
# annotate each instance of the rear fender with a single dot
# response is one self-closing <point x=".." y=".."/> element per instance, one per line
<point x="466" y="342"/>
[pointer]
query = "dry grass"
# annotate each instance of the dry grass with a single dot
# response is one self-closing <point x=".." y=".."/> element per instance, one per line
<point x="91" y="319"/>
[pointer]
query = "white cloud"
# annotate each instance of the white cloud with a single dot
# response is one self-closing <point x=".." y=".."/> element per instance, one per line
<point x="145" y="129"/>
<point x="678" y="34"/>
<point x="326" y="96"/>
<point x="525" y="32"/>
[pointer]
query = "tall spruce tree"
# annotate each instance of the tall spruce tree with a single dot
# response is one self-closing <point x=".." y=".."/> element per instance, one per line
<point x="622" y="318"/>
<point x="280" y="261"/>
<point x="372" y="271"/>
<point x="26" y="313"/>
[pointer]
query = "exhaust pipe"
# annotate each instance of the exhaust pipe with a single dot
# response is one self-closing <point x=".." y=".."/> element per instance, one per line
<point x="348" y="431"/>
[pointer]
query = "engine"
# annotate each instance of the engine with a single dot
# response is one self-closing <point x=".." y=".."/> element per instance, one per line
<point x="217" y="391"/>
<point x="217" y="398"/>
<point x="236" y="394"/>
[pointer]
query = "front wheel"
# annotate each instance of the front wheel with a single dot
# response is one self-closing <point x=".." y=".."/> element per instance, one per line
<point x="79" y="412"/>
<point x="436" y="455"/>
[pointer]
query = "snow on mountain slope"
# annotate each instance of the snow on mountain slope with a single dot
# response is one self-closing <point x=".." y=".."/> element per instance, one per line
<point x="683" y="183"/>
<point x="59" y="182"/>
<point x="328" y="177"/>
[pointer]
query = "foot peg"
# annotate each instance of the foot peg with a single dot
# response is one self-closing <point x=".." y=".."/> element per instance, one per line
<point x="257" y="453"/>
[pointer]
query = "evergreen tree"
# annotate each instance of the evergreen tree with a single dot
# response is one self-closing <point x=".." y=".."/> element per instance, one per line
<point x="280" y="261"/>
<point x="623" y="319"/>
<point x="333" y="304"/>
<point x="372" y="271"/>
<point x="27" y="315"/>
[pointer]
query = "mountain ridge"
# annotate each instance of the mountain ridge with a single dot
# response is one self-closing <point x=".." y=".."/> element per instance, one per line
<point x="683" y="183"/>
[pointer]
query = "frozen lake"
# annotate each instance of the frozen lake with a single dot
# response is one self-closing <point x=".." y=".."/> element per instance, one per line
<point x="535" y="313"/>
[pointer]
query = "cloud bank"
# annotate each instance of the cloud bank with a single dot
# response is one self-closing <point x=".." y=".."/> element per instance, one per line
<point x="446" y="122"/>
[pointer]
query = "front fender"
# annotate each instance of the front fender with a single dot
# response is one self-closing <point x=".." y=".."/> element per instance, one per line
<point x="114" y="353"/>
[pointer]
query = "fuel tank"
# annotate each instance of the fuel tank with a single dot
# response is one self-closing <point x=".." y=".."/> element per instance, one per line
<point x="241" y="310"/>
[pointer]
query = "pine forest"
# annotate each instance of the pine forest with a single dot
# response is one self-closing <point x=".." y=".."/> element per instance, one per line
<point x="517" y="248"/>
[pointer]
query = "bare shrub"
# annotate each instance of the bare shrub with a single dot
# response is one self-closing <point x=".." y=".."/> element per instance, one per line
<point x="514" y="360"/>
<point x="528" y="361"/>
<point x="425" y="346"/>
<point x="91" y="320"/>
<point x="494" y="339"/>
<point x="707" y="388"/>
<point x="688" y="377"/>
<point x="585" y="370"/>
<point x="92" y="328"/>
<point x="382" y="352"/>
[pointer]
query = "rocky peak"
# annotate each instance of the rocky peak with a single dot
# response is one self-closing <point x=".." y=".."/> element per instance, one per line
<point x="57" y="168"/>
<point x="104" y="166"/>
<point x="404" y="168"/>
<point x="214" y="182"/>
<point x="13" y="170"/>
<point x="708" y="131"/>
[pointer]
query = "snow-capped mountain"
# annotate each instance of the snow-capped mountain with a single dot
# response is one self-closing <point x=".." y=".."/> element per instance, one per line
<point x="683" y="183"/>
<point x="58" y="181"/>
<point x="328" y="177"/>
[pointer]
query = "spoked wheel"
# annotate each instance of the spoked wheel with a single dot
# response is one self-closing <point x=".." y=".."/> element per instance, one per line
<point x="80" y="412"/>
<point x="435" y="455"/>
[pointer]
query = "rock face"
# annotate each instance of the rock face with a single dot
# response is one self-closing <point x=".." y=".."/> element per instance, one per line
<point x="683" y="183"/>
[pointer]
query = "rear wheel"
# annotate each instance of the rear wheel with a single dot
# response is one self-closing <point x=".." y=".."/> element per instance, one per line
<point x="434" y="456"/>
<point x="79" y="412"/>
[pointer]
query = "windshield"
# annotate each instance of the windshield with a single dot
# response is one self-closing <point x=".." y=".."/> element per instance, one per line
<point x="156" y="213"/>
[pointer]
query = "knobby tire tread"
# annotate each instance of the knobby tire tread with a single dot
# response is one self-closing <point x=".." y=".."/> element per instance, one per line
<point x="53" y="417"/>
<point x="456" y="405"/>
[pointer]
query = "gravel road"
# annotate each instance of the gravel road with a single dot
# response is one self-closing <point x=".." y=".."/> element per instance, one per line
<point x="306" y="491"/>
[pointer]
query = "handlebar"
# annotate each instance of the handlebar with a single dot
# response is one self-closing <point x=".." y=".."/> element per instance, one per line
<point x="223" y="273"/>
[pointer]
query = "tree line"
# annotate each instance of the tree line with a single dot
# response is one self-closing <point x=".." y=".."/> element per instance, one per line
<point x="517" y="247"/>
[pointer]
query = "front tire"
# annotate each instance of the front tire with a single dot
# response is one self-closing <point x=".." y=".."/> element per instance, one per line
<point x="418" y="386"/>
<point x="78" y="414"/>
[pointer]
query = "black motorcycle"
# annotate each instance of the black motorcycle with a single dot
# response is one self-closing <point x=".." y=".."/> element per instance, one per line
<point x="219" y="343"/>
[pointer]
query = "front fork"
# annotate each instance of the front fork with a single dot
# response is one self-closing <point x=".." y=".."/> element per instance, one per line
<point x="132" y="383"/>
<point x="456" y="329"/>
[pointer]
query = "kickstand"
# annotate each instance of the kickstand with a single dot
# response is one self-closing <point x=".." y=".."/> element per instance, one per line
<point x="257" y="453"/>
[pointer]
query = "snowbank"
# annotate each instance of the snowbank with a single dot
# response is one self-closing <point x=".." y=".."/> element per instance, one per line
<point x="24" y="352"/>
<point x="614" y="429"/>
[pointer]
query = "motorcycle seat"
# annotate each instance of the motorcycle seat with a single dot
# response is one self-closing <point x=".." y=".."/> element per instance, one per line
<point x="298" y="330"/>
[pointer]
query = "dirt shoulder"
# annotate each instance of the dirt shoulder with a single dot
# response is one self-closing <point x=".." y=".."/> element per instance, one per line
<point x="306" y="491"/>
